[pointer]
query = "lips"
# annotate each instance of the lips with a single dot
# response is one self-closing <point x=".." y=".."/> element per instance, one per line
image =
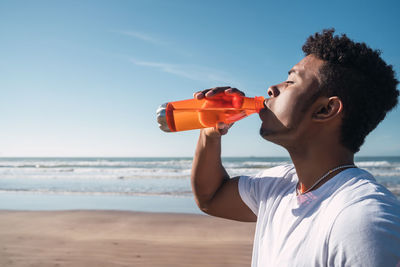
<point x="266" y="113"/>
<point x="265" y="102"/>
<point x="263" y="113"/>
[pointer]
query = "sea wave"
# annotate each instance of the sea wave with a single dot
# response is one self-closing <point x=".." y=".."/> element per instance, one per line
<point x="95" y="173"/>
<point x="380" y="173"/>
<point x="95" y="193"/>
<point x="256" y="164"/>
<point x="94" y="163"/>
<point x="364" y="164"/>
<point x="169" y="176"/>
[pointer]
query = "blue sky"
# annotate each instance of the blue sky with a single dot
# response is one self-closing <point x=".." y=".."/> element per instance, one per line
<point x="84" y="78"/>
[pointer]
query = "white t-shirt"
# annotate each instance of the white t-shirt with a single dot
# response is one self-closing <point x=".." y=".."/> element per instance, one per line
<point x="350" y="220"/>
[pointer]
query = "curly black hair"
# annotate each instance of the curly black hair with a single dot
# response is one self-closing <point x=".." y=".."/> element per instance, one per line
<point x="359" y="77"/>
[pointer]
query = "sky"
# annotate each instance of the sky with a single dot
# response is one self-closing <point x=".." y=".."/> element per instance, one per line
<point x="84" y="78"/>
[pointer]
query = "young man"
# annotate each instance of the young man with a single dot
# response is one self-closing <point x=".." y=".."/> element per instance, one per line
<point x="321" y="210"/>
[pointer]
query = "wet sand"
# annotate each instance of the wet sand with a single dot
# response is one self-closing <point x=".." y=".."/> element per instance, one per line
<point x="119" y="238"/>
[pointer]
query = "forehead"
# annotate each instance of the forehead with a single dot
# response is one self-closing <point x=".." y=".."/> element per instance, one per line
<point x="308" y="67"/>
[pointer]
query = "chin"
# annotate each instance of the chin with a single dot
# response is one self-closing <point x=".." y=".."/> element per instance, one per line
<point x="275" y="136"/>
<point x="267" y="133"/>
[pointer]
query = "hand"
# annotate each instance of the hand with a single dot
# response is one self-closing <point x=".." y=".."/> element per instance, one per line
<point x="221" y="128"/>
<point x="208" y="93"/>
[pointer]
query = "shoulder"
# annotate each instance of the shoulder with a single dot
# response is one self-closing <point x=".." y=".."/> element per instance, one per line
<point x="369" y="213"/>
<point x="266" y="183"/>
<point x="362" y="200"/>
<point x="274" y="176"/>
<point x="367" y="226"/>
<point x="357" y="187"/>
<point x="281" y="171"/>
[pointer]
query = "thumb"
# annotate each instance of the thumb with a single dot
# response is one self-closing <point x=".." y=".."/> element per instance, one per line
<point x="223" y="128"/>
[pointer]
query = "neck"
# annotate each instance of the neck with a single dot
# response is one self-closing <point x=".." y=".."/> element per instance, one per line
<point x="314" y="163"/>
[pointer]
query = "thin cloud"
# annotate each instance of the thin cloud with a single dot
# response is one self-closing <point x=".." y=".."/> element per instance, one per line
<point x="192" y="72"/>
<point x="142" y="36"/>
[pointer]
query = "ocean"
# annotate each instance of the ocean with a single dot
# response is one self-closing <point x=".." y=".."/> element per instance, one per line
<point x="139" y="184"/>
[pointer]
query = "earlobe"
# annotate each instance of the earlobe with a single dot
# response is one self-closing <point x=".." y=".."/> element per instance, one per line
<point x="328" y="109"/>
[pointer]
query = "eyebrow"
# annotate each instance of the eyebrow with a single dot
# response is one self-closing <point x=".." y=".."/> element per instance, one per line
<point x="291" y="71"/>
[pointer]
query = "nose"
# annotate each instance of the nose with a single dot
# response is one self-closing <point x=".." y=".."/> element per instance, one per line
<point x="273" y="91"/>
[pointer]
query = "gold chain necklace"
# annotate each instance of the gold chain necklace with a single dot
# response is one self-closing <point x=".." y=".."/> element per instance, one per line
<point x="322" y="178"/>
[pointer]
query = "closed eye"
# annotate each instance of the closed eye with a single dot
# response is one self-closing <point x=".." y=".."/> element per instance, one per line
<point x="289" y="82"/>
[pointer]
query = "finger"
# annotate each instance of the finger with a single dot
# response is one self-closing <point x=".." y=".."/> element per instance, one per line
<point x="223" y="128"/>
<point x="223" y="131"/>
<point x="231" y="91"/>
<point x="221" y="88"/>
<point x="198" y="95"/>
<point x="208" y="92"/>
<point x="216" y="90"/>
<point x="201" y="94"/>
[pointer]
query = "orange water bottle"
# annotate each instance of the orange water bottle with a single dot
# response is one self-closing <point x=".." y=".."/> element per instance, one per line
<point x="207" y="112"/>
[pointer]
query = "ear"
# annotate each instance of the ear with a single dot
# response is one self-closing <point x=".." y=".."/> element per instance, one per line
<point x="327" y="108"/>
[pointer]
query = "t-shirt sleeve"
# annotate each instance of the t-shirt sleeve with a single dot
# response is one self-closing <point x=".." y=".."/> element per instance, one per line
<point x="366" y="235"/>
<point x="249" y="193"/>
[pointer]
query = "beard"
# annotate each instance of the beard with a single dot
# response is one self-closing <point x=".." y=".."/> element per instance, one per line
<point x="269" y="133"/>
<point x="280" y="136"/>
<point x="281" y="130"/>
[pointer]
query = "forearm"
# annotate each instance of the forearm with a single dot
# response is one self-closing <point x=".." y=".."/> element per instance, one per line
<point x="208" y="174"/>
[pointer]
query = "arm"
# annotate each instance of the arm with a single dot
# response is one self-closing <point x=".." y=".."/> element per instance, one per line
<point x="215" y="193"/>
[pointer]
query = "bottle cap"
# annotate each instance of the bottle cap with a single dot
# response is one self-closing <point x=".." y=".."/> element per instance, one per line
<point x="162" y="119"/>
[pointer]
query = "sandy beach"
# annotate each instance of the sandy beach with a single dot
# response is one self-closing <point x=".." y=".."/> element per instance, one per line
<point x="119" y="238"/>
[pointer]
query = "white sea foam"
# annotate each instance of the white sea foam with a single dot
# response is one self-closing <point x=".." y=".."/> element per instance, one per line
<point x="364" y="164"/>
<point x="91" y="163"/>
<point x="142" y="176"/>
<point x="264" y="164"/>
<point x="71" y="193"/>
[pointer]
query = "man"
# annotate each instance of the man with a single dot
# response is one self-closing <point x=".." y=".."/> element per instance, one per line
<point x="321" y="210"/>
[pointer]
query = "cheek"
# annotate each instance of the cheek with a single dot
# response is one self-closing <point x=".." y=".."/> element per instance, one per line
<point x="286" y="110"/>
<point x="289" y="110"/>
